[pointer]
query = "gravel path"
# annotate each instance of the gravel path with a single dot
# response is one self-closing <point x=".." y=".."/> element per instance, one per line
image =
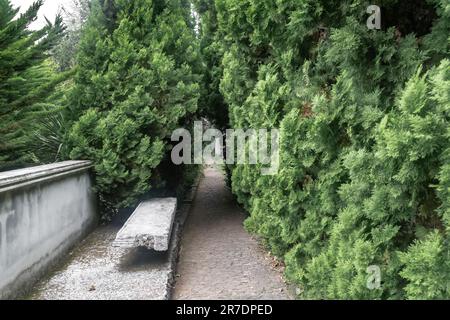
<point x="219" y="259"/>
<point x="95" y="270"/>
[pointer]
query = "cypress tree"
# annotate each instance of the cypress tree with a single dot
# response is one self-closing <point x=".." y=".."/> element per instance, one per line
<point x="212" y="103"/>
<point x="135" y="84"/>
<point x="26" y="78"/>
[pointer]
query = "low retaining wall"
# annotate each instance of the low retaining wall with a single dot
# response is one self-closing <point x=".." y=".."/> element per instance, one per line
<point x="44" y="211"/>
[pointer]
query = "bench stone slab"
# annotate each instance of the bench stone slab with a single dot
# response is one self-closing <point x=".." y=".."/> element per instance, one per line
<point x="150" y="225"/>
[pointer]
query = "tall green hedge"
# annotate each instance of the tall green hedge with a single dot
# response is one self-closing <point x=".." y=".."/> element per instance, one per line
<point x="137" y="81"/>
<point x="364" y="118"/>
<point x="212" y="104"/>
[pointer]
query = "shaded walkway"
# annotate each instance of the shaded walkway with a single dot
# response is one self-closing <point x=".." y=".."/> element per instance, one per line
<point x="219" y="259"/>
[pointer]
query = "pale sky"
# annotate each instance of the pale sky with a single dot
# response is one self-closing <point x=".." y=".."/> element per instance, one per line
<point x="49" y="9"/>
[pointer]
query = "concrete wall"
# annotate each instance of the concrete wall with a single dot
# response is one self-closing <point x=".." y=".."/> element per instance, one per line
<point x="44" y="211"/>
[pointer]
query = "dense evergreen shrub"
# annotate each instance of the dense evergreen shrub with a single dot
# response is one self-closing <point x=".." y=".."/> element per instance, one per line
<point x="364" y="120"/>
<point x="136" y="83"/>
<point x="212" y="104"/>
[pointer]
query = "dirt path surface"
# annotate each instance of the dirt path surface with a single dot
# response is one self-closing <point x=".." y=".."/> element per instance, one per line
<point x="219" y="259"/>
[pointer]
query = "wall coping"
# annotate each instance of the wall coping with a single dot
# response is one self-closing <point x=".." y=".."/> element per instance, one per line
<point x="22" y="177"/>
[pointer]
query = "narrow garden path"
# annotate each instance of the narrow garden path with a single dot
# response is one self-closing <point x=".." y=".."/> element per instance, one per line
<point x="219" y="259"/>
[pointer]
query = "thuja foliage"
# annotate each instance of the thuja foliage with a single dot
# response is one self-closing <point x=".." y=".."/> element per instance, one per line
<point x="211" y="103"/>
<point x="365" y="150"/>
<point x="136" y="83"/>
<point x="27" y="80"/>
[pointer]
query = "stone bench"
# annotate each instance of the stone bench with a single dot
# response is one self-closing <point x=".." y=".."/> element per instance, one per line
<point x="150" y="226"/>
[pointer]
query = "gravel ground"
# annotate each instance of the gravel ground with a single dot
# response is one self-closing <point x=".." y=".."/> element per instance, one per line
<point x="219" y="259"/>
<point x="97" y="271"/>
